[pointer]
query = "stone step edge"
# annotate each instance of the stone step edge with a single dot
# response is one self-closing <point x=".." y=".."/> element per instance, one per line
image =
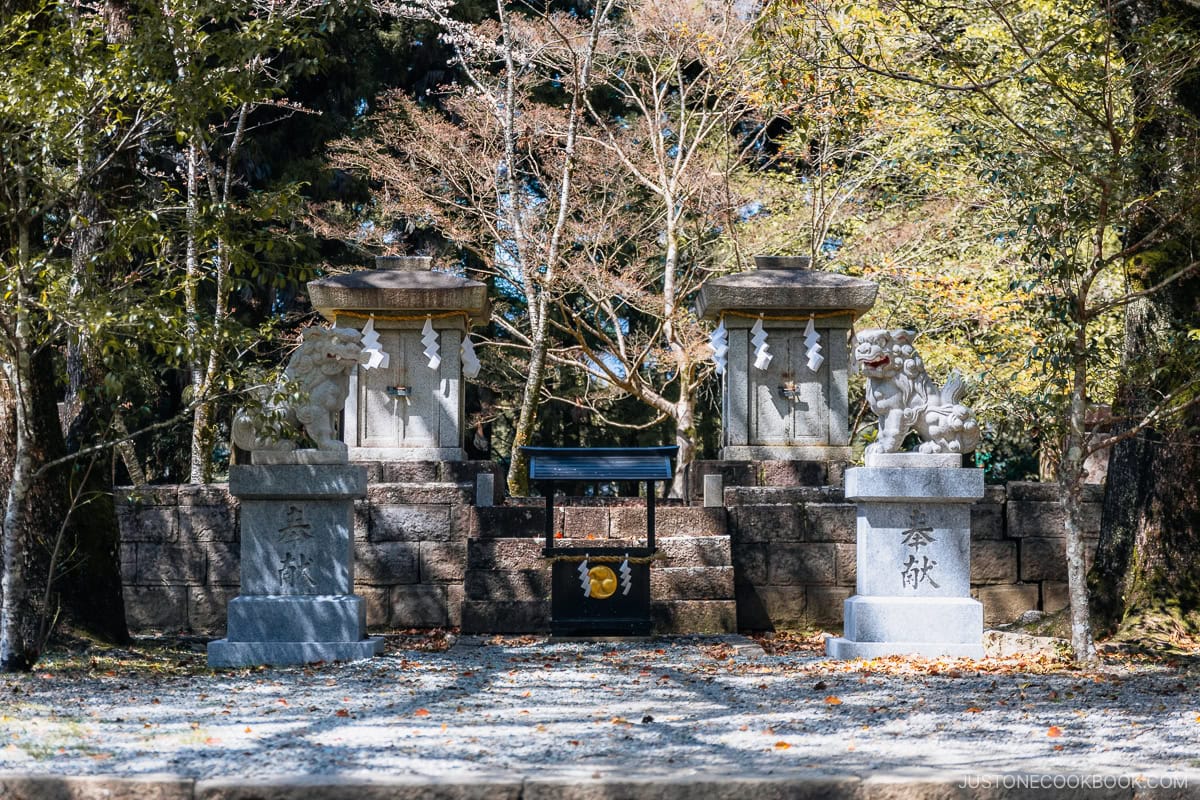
<point x="935" y="785"/>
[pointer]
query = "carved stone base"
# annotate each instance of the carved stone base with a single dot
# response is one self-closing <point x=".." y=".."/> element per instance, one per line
<point x="913" y="459"/>
<point x="814" y="452"/>
<point x="296" y="603"/>
<point x="308" y="456"/>
<point x="358" y="454"/>
<point x="329" y="618"/>
<point x="920" y="626"/>
<point x="224" y="653"/>
<point x="914" y="561"/>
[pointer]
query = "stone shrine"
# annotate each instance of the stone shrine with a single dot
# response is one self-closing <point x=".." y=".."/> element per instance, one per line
<point x="407" y="403"/>
<point x="913" y="551"/>
<point x="781" y="342"/>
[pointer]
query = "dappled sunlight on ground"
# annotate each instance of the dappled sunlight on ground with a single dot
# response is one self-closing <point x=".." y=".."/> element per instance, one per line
<point x="772" y="704"/>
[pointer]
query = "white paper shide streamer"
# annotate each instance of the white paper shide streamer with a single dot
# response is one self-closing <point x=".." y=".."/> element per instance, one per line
<point x="376" y="357"/>
<point x="429" y="338"/>
<point x="719" y="342"/>
<point x="812" y="341"/>
<point x="626" y="576"/>
<point x="585" y="580"/>
<point x="762" y="352"/>
<point x="470" y="361"/>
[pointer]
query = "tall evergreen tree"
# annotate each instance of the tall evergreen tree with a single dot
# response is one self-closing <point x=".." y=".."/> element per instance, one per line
<point x="1146" y="579"/>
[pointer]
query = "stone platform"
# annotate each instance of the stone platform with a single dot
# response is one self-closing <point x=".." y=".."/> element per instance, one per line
<point x="914" y="560"/>
<point x="297" y="602"/>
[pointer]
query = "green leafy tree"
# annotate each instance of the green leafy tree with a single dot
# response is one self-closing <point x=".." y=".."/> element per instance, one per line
<point x="1040" y="97"/>
<point x="867" y="177"/>
<point x="225" y="66"/>
<point x="1145" y="581"/>
<point x="71" y="114"/>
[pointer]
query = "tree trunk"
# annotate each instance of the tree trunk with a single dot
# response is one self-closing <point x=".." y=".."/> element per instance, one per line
<point x="685" y="439"/>
<point x="16" y="614"/>
<point x="32" y="513"/>
<point x="1146" y="577"/>
<point x="518" y="466"/>
<point x="1070" y="478"/>
<point x="88" y="578"/>
<point x="201" y="444"/>
<point x="18" y="569"/>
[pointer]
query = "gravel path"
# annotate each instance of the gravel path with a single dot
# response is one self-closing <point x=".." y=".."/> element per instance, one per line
<point x="670" y="706"/>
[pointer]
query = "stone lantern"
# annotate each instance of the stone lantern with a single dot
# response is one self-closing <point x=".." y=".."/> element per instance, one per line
<point x="784" y="393"/>
<point x="408" y="404"/>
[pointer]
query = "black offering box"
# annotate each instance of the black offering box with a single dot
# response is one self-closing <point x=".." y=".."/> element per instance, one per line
<point x="599" y="591"/>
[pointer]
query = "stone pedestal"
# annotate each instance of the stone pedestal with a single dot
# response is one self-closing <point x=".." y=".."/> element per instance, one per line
<point x="914" y="560"/>
<point x="786" y="410"/>
<point x="296" y="604"/>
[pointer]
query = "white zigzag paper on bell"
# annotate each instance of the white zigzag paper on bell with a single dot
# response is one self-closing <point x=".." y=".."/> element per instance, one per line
<point x="762" y="352"/>
<point x="812" y="340"/>
<point x="377" y="358"/>
<point x="470" y="361"/>
<point x="429" y="338"/>
<point x="719" y="342"/>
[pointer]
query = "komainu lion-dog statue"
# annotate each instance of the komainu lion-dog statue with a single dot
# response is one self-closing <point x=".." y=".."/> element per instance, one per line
<point x="904" y="397"/>
<point x="320" y="369"/>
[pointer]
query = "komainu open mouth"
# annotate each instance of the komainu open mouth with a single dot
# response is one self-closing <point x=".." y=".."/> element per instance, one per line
<point x="879" y="362"/>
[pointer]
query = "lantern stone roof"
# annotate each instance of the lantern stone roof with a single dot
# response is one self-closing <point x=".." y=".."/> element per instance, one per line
<point x="404" y="284"/>
<point x="785" y="284"/>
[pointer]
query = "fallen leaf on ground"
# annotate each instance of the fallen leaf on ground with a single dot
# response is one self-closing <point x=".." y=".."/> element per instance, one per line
<point x="833" y="700"/>
<point x="1054" y="731"/>
<point x="782" y="745"/>
<point x="974" y="710"/>
<point x="421" y="712"/>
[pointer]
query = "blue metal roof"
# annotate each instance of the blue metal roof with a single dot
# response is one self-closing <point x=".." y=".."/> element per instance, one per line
<point x="600" y="463"/>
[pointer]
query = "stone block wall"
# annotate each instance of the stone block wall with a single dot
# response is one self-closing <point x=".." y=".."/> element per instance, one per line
<point x="794" y="552"/>
<point x="508" y="582"/>
<point x="179" y="556"/>
<point x="774" y="557"/>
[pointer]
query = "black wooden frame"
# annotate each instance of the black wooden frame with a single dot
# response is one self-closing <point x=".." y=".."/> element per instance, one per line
<point x="572" y="615"/>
